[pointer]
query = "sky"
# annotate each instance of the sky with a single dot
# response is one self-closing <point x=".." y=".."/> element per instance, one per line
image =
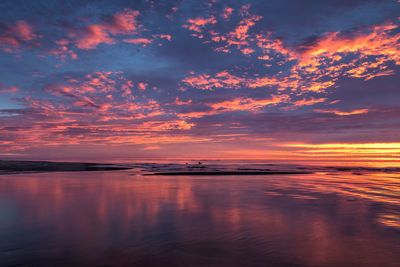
<point x="309" y="81"/>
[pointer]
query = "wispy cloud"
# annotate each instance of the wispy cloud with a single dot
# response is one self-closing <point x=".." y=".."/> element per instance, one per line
<point x="343" y="113"/>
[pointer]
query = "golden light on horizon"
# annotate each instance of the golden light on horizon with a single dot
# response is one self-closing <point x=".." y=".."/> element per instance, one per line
<point x="347" y="145"/>
<point x="376" y="154"/>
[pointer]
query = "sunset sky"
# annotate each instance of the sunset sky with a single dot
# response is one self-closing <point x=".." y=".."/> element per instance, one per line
<point x="308" y="81"/>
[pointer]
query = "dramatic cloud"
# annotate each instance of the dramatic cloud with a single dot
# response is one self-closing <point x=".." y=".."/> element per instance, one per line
<point x="230" y="78"/>
<point x="371" y="51"/>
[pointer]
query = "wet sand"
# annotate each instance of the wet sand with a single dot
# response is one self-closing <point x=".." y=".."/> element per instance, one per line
<point x="14" y="166"/>
<point x="123" y="218"/>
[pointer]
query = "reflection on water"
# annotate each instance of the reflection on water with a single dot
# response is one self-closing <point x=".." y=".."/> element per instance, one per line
<point x="114" y="218"/>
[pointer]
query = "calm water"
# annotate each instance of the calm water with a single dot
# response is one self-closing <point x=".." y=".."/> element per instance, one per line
<point x="119" y="219"/>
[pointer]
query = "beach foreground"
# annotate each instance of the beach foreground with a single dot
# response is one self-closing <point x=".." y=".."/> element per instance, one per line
<point x="126" y="218"/>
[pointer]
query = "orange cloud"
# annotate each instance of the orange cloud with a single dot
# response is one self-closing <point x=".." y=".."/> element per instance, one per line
<point x="221" y="79"/>
<point x="373" y="47"/>
<point x="270" y="45"/>
<point x="239" y="36"/>
<point x="316" y="66"/>
<point x="374" y="42"/>
<point x="342" y="113"/>
<point x="180" y="103"/>
<point x="249" y="104"/>
<point x="142" y="86"/>
<point x="227" y="13"/>
<point x="226" y="80"/>
<point x="309" y="102"/>
<point x="247" y="51"/>
<point x="237" y="104"/>
<point x="198" y="23"/>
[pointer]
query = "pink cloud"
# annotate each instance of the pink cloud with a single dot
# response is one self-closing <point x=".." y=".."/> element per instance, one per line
<point x="94" y="83"/>
<point x="94" y="108"/>
<point x="142" y="41"/>
<point x="23" y="31"/>
<point x="8" y="90"/>
<point x="93" y="36"/>
<point x="125" y="22"/>
<point x="104" y="96"/>
<point x="16" y="35"/>
<point x="62" y="51"/>
<point x="166" y="36"/>
<point x="122" y="23"/>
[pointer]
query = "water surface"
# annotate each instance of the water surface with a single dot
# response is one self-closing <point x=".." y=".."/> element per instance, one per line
<point x="124" y="218"/>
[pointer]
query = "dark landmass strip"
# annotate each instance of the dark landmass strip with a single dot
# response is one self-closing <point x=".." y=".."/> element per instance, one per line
<point x="11" y="166"/>
<point x="15" y="167"/>
<point x="228" y="173"/>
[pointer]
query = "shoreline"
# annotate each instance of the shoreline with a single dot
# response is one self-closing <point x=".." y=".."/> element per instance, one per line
<point x="21" y="166"/>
